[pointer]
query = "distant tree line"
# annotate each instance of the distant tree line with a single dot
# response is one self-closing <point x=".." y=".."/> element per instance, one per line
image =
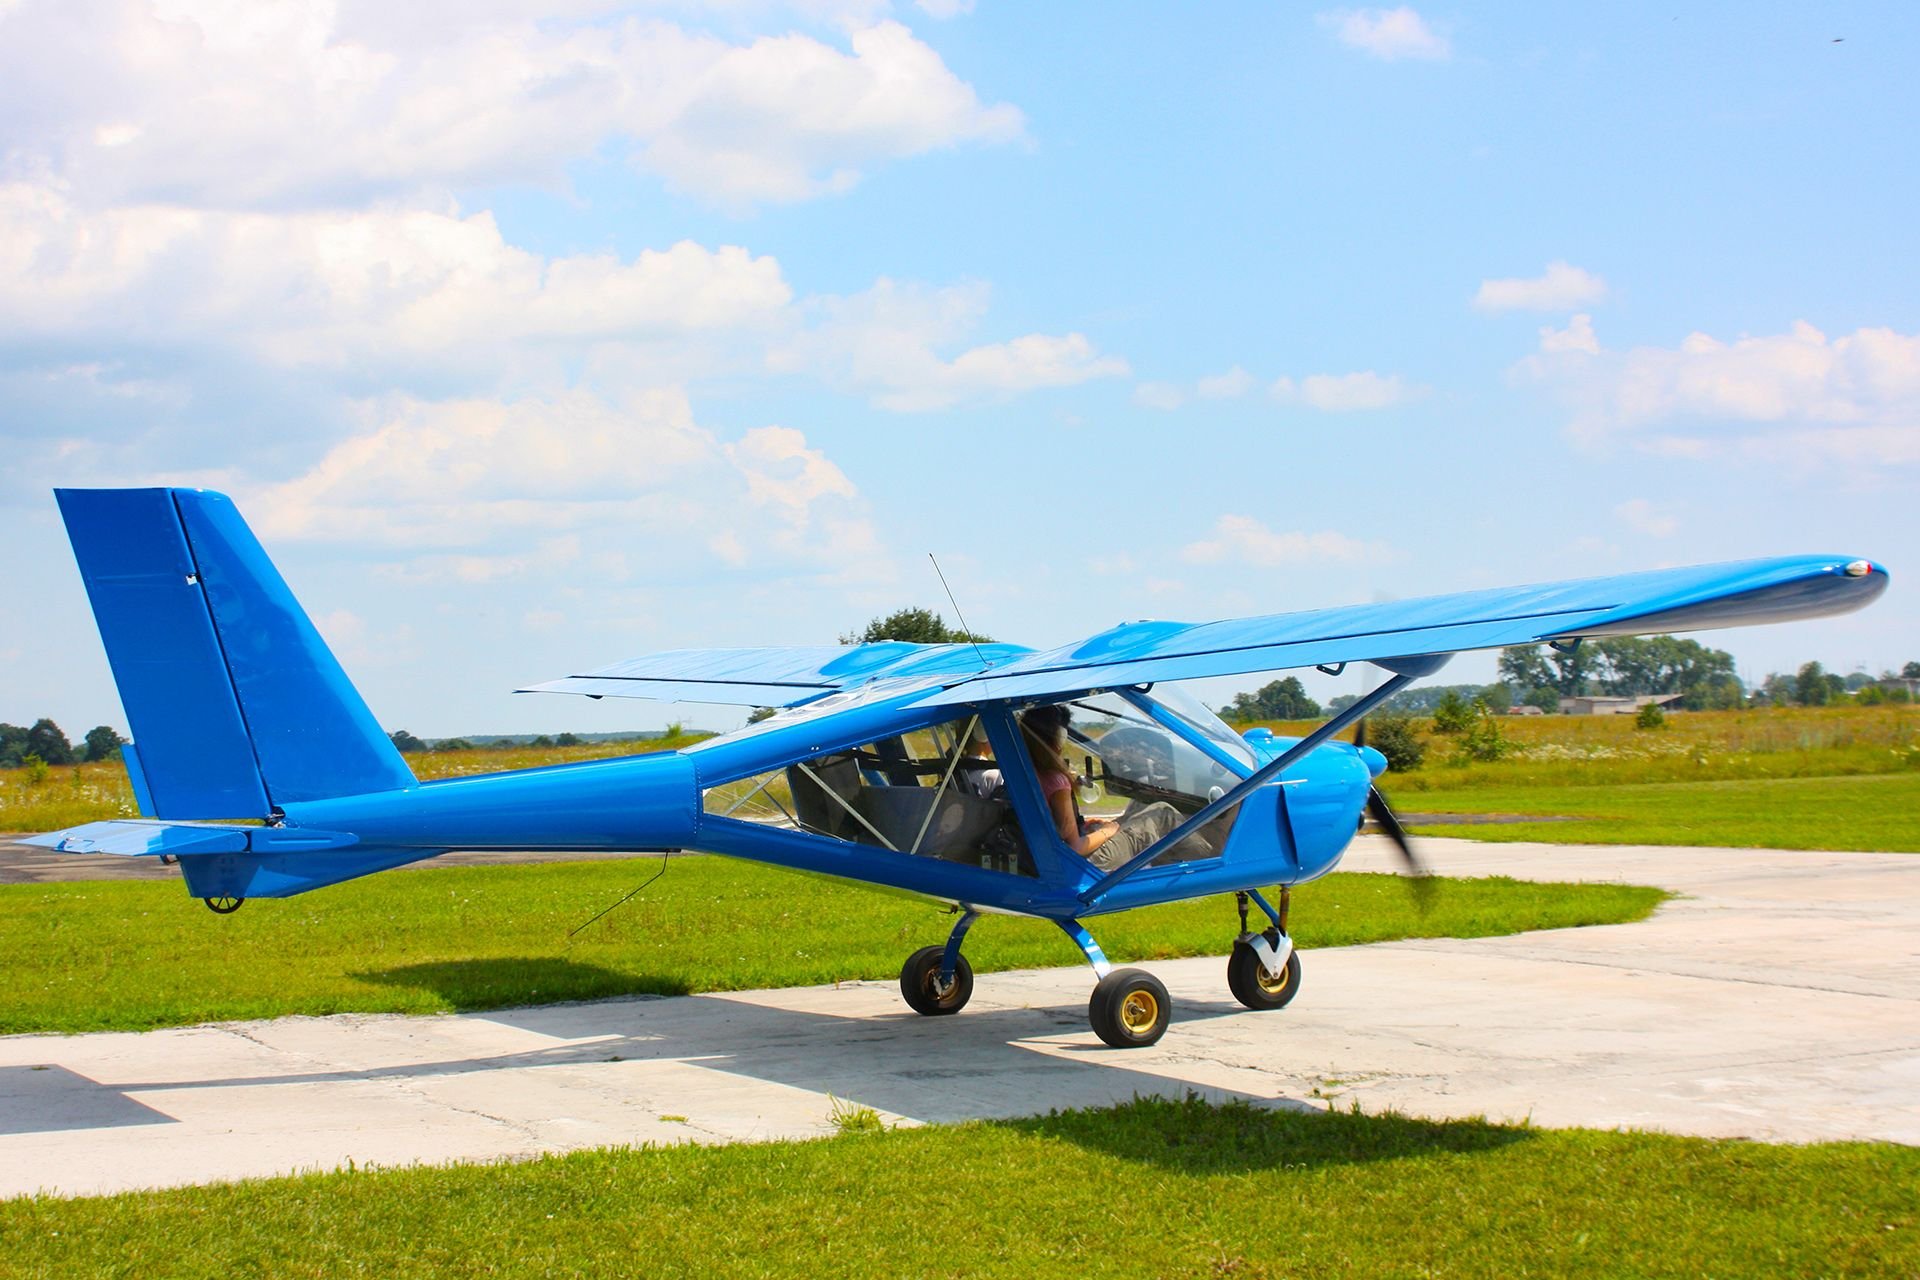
<point x="47" y="743"/>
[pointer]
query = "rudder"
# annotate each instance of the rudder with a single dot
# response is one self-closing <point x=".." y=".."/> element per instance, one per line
<point x="236" y="703"/>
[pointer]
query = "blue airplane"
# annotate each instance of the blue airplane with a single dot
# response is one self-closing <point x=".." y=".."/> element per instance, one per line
<point x="961" y="773"/>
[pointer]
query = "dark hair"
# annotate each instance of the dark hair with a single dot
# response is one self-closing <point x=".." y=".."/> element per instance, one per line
<point x="1044" y="727"/>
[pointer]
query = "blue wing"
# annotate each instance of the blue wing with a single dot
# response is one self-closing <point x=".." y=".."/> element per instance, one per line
<point x="1743" y="593"/>
<point x="778" y="677"/>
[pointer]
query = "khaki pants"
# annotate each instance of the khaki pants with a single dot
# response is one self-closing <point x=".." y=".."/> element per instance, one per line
<point x="1140" y="826"/>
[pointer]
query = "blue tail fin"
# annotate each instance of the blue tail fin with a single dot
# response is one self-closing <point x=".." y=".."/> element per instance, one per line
<point x="235" y="702"/>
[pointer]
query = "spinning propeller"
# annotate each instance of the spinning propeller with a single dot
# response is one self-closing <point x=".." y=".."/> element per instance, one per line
<point x="1389" y="822"/>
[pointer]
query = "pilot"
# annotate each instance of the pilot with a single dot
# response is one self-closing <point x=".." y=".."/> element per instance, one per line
<point x="1101" y="841"/>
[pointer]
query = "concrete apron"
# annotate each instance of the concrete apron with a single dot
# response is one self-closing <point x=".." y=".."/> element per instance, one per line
<point x="1779" y="1000"/>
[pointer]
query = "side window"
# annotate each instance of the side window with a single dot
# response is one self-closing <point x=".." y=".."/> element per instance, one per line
<point x="935" y="792"/>
<point x="1138" y="764"/>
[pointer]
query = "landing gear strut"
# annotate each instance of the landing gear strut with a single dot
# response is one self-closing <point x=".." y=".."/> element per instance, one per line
<point x="938" y="980"/>
<point x="1264" y="970"/>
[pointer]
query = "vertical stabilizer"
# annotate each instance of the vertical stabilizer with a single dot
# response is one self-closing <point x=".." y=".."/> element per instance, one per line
<point x="236" y="703"/>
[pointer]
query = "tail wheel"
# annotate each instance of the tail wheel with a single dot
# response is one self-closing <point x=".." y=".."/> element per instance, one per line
<point x="1130" y="1009"/>
<point x="920" y="983"/>
<point x="1253" y="986"/>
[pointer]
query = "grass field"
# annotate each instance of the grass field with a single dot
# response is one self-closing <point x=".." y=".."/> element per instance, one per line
<point x="1874" y="812"/>
<point x="1551" y="753"/>
<point x="1151" y="1188"/>
<point x="131" y="955"/>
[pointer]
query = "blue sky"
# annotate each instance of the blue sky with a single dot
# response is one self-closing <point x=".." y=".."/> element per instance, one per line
<point x="532" y="337"/>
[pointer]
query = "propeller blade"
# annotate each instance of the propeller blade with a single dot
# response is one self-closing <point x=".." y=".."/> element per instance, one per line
<point x="1382" y="813"/>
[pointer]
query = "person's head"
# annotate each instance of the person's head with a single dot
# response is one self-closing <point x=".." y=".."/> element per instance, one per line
<point x="1045" y="729"/>
<point x="977" y="744"/>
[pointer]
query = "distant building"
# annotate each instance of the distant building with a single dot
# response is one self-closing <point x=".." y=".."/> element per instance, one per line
<point x="1617" y="706"/>
<point x="1524" y="709"/>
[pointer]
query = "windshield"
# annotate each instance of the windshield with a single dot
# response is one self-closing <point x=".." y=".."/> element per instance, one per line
<point x="1142" y="759"/>
<point x="1203" y="721"/>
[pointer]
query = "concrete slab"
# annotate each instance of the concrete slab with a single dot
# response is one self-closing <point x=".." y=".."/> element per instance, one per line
<point x="1780" y="999"/>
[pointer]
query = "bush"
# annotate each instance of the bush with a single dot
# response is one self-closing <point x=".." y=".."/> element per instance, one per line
<point x="1392" y="734"/>
<point x="36" y="769"/>
<point x="1650" y="716"/>
<point x="1454" y="714"/>
<point x="1482" y="740"/>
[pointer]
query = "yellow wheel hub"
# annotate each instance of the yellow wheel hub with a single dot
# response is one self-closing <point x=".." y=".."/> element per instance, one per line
<point x="1138" y="1012"/>
<point x="1271" y="985"/>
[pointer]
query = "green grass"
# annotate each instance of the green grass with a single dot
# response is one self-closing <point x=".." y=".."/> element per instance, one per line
<point x="1151" y="1188"/>
<point x="1877" y="812"/>
<point x="131" y="955"/>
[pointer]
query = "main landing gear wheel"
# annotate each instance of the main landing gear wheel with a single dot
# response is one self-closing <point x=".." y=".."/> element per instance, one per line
<point x="920" y="983"/>
<point x="223" y="906"/>
<point x="1129" y="1009"/>
<point x="1253" y="986"/>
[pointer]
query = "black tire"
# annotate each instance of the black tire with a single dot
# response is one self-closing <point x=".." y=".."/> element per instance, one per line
<point x="920" y="980"/>
<point x="1130" y="1009"/>
<point x="1253" y="986"/>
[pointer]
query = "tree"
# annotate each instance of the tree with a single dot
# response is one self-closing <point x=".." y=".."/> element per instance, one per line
<point x="13" y="745"/>
<point x="1629" y="666"/>
<point x="916" y="626"/>
<point x="47" y="741"/>
<point x="1911" y="671"/>
<point x="1282" y="700"/>
<point x="1810" y="687"/>
<point x="406" y="743"/>
<point x="1548" y="700"/>
<point x="102" y="742"/>
<point x="1531" y="666"/>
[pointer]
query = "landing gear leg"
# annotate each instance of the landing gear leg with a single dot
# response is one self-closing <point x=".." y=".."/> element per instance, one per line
<point x="1264" y="970"/>
<point x="938" y="980"/>
<point x="1129" y="1008"/>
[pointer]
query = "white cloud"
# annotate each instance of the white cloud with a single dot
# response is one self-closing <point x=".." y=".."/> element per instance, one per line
<point x="333" y="288"/>
<point x="883" y="342"/>
<point x="1577" y="336"/>
<point x="1158" y="395"/>
<point x="1561" y="287"/>
<point x="1230" y="385"/>
<point x="1643" y="516"/>
<point x="1346" y="392"/>
<point x="1797" y="395"/>
<point x="486" y="490"/>
<point x="944" y="9"/>
<point x="211" y="103"/>
<point x="1388" y="34"/>
<point x="1245" y="540"/>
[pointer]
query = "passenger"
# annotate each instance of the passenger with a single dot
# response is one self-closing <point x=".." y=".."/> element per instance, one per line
<point x="1101" y="841"/>
<point x="979" y="776"/>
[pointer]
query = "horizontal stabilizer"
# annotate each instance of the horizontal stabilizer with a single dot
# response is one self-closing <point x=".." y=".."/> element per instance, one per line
<point x="130" y="838"/>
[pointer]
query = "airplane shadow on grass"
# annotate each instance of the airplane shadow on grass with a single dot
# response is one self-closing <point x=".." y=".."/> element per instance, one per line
<point x="991" y="1063"/>
<point x="469" y="985"/>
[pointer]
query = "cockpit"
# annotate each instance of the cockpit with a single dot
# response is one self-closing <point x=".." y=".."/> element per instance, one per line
<point x="969" y="790"/>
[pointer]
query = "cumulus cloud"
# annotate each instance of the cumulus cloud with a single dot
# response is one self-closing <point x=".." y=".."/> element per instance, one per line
<point x="1797" y="394"/>
<point x="1230" y="385"/>
<point x="1388" y="34"/>
<point x="197" y="102"/>
<point x="885" y="342"/>
<point x="328" y="288"/>
<point x="1346" y="392"/>
<point x="1158" y="395"/>
<point x="1643" y="516"/>
<point x="1245" y="540"/>
<point x="485" y="490"/>
<point x="1561" y="287"/>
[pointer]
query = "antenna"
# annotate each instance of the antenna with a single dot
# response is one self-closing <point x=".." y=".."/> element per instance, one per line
<point x="984" y="664"/>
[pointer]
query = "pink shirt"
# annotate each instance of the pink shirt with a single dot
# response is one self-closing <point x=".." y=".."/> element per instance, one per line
<point x="1052" y="782"/>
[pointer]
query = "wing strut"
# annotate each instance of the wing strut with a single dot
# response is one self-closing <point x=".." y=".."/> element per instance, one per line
<point x="1264" y="774"/>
